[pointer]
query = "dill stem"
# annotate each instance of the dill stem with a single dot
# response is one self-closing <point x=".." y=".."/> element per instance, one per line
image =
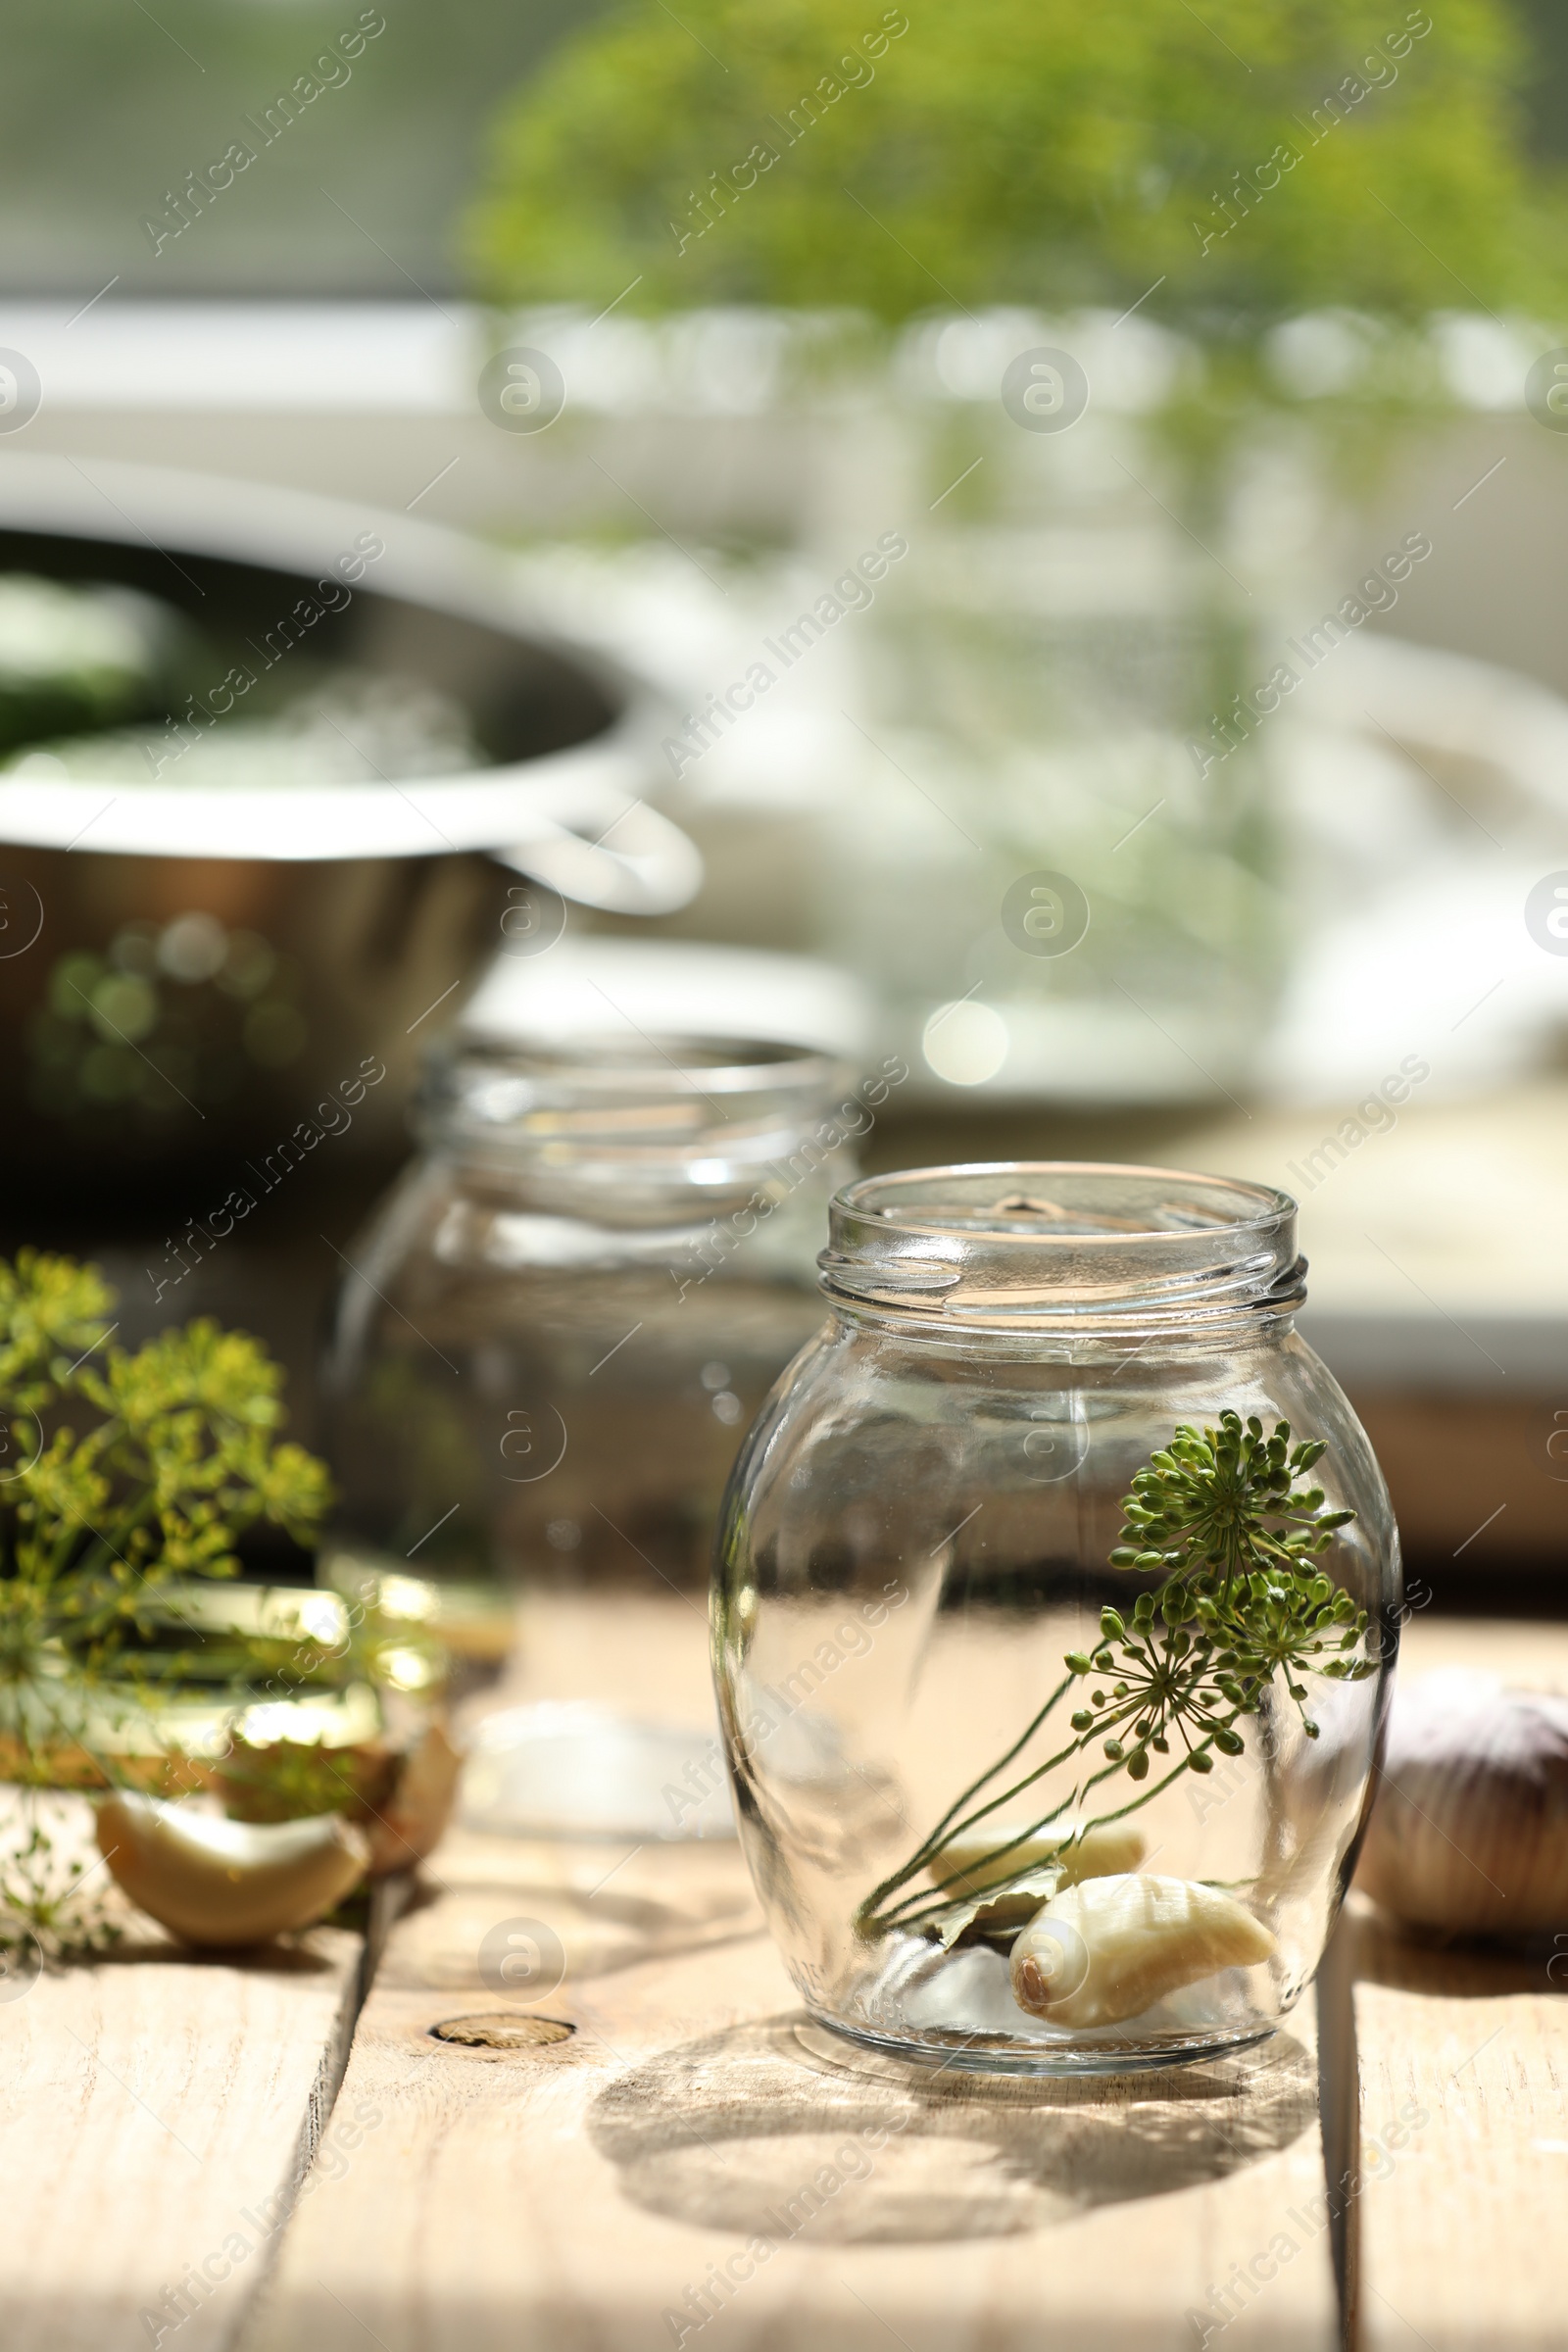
<point x="936" y="1904"/>
<point x="939" y="1834"/>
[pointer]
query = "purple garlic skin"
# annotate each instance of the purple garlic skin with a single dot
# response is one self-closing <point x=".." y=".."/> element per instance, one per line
<point x="1470" y="1828"/>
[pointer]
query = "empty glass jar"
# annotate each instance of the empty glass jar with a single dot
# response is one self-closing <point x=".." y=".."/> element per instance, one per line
<point x="545" y="1357"/>
<point x="1055" y="1602"/>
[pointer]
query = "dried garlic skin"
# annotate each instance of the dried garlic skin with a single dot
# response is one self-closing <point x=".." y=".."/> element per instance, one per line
<point x="1108" y="1948"/>
<point x="1111" y="1848"/>
<point x="1470" y="1828"/>
<point x="224" y="1884"/>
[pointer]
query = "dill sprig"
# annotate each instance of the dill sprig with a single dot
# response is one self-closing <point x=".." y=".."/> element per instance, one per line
<point x="124" y="1474"/>
<point x="1230" y="1519"/>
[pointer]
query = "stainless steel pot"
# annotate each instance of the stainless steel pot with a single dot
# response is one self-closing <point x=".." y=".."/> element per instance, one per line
<point x="190" y="974"/>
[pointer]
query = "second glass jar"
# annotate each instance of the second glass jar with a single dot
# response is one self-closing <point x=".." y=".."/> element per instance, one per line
<point x="550" y="1345"/>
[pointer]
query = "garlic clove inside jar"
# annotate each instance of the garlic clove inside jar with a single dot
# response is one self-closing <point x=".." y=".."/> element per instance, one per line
<point x="222" y="1883"/>
<point x="1109" y="1947"/>
<point x="964" y="1866"/>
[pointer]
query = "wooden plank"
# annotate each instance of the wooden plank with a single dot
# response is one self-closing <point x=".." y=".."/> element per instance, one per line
<point x="1534" y="1656"/>
<point x="693" y="2149"/>
<point x="1463" y="2059"/>
<point x="159" y="2114"/>
<point x="1469" y="1467"/>
<point x="1464" y="2149"/>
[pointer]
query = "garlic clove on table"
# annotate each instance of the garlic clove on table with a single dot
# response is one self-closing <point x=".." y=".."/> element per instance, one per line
<point x="409" y="1823"/>
<point x="228" y="1882"/>
<point x="1470" y="1828"/>
<point x="1077" y="1851"/>
<point x="1108" y="1948"/>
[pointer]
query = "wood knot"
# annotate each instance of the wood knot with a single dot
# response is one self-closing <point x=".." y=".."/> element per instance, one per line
<point x="504" y="2030"/>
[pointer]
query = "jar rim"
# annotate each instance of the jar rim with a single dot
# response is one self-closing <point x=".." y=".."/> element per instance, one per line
<point x="1270" y="1201"/>
<point x="609" y="1110"/>
<point x="666" y="1063"/>
<point x="1086" y="1247"/>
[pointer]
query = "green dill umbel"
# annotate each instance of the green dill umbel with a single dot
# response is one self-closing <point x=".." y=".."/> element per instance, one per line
<point x="123" y="1475"/>
<point x="124" y="1470"/>
<point x="1229" y="1518"/>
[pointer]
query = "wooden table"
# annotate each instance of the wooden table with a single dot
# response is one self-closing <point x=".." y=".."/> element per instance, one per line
<point x="282" y="2157"/>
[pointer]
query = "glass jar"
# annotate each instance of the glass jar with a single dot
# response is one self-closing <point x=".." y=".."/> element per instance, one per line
<point x="1030" y="1783"/>
<point x="545" y="1356"/>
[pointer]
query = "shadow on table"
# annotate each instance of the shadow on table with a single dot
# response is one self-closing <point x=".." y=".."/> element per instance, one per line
<point x="574" y="1932"/>
<point x="1421" y="1960"/>
<point x="145" y="1945"/>
<point x="756" y="2133"/>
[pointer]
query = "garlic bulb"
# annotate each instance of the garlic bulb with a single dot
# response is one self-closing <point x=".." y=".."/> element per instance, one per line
<point x="965" y="1863"/>
<point x="1470" y="1828"/>
<point x="228" y="1882"/>
<point x="1110" y="1949"/>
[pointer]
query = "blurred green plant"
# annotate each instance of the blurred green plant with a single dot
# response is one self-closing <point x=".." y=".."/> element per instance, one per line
<point x="180" y="1455"/>
<point x="1224" y="168"/>
<point x="122" y="1477"/>
<point x="1023" y="151"/>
